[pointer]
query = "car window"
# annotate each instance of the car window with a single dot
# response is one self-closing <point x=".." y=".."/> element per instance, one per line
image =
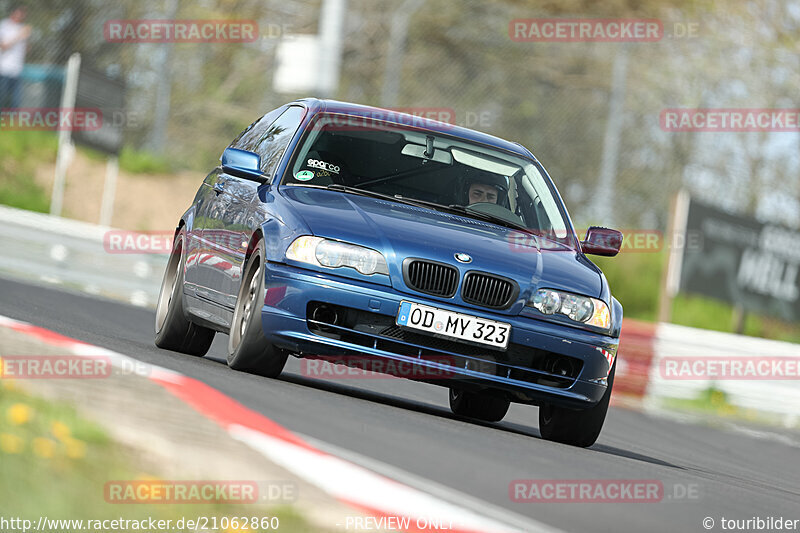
<point x="390" y="159"/>
<point x="272" y="141"/>
<point x="249" y="137"/>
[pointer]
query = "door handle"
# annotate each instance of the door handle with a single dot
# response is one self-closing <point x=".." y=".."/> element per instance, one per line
<point x="219" y="187"/>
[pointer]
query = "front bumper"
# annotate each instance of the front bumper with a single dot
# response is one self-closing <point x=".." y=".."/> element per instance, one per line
<point x="523" y="373"/>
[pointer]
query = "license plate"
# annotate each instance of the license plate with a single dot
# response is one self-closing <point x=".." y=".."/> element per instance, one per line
<point x="453" y="325"/>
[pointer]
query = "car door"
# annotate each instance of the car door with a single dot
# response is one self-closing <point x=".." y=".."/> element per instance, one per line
<point x="217" y="257"/>
<point x="241" y="220"/>
<point x="196" y="246"/>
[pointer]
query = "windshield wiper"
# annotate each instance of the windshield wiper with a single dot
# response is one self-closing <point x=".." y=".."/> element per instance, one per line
<point x="454" y="209"/>
<point x="460" y="209"/>
<point x="417" y="171"/>
<point x="372" y="194"/>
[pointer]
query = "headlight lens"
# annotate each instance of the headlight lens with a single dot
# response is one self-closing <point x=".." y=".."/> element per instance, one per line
<point x="334" y="254"/>
<point x="583" y="309"/>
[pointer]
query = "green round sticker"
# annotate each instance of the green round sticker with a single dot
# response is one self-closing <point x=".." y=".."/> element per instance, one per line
<point x="304" y="175"/>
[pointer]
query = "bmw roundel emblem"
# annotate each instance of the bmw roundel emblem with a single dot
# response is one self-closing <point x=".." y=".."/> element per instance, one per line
<point x="463" y="258"/>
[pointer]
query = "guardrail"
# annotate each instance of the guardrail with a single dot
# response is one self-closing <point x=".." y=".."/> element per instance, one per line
<point x="663" y="366"/>
<point x="71" y="253"/>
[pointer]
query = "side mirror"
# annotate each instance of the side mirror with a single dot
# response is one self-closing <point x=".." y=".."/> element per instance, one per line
<point x="602" y="241"/>
<point x="242" y="164"/>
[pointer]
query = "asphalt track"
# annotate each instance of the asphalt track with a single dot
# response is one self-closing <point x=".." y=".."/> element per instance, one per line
<point x="705" y="471"/>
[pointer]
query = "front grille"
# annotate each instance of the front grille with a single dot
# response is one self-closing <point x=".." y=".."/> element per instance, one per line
<point x="488" y="290"/>
<point x="429" y="277"/>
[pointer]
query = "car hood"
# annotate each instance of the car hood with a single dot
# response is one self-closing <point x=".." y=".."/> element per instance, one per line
<point x="400" y="231"/>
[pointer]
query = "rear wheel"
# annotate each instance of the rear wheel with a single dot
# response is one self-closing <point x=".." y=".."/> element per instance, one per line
<point x="248" y="349"/>
<point x="173" y="330"/>
<point x="478" y="405"/>
<point x="575" y="427"/>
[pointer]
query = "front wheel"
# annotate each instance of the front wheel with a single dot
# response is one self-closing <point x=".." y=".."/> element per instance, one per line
<point x="478" y="405"/>
<point x="576" y="428"/>
<point x="248" y="349"/>
<point x="173" y="330"/>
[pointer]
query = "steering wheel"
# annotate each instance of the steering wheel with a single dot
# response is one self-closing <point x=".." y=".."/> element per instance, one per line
<point x="496" y="210"/>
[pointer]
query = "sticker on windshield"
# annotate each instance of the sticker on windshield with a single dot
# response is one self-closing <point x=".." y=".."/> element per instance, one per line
<point x="304" y="175"/>
<point x="330" y="167"/>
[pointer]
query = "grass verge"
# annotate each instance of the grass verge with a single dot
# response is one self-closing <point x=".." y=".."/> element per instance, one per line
<point x="55" y="464"/>
<point x="714" y="403"/>
<point x="20" y="153"/>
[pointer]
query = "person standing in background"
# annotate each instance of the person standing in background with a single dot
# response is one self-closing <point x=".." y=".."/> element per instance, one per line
<point x="13" y="45"/>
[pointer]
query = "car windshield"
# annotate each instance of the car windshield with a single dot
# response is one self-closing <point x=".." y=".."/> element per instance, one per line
<point x="365" y="156"/>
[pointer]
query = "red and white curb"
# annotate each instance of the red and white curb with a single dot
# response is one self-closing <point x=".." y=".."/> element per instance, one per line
<point x="360" y="488"/>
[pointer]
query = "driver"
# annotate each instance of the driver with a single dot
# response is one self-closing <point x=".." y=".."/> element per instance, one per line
<point x="481" y="192"/>
<point x="484" y="188"/>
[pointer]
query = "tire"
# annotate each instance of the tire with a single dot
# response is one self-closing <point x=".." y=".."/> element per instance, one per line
<point x="575" y="427"/>
<point x="248" y="349"/>
<point x="173" y="330"/>
<point x="477" y="405"/>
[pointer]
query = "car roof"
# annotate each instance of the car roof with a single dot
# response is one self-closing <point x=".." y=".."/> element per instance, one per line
<point x="316" y="105"/>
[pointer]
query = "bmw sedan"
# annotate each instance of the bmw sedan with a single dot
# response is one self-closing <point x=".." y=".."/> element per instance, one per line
<point x="347" y="233"/>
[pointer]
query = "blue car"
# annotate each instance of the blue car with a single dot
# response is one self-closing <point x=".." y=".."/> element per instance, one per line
<point x="389" y="242"/>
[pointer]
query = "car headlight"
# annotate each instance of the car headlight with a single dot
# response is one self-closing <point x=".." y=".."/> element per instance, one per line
<point x="334" y="254"/>
<point x="589" y="311"/>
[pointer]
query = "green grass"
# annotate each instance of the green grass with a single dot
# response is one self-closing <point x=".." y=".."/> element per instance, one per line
<point x="710" y="399"/>
<point x="634" y="278"/>
<point x="54" y="463"/>
<point x="714" y="403"/>
<point x="21" y="152"/>
<point x="133" y="161"/>
<point x="24" y="194"/>
<point x="141" y="162"/>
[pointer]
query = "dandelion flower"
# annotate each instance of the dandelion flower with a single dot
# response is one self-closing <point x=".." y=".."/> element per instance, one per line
<point x="19" y="414"/>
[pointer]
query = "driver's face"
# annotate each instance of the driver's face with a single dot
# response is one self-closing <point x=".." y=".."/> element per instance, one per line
<point x="480" y="192"/>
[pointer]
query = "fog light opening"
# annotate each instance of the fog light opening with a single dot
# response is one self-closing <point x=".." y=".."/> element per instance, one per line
<point x="325" y="314"/>
<point x="560" y="366"/>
